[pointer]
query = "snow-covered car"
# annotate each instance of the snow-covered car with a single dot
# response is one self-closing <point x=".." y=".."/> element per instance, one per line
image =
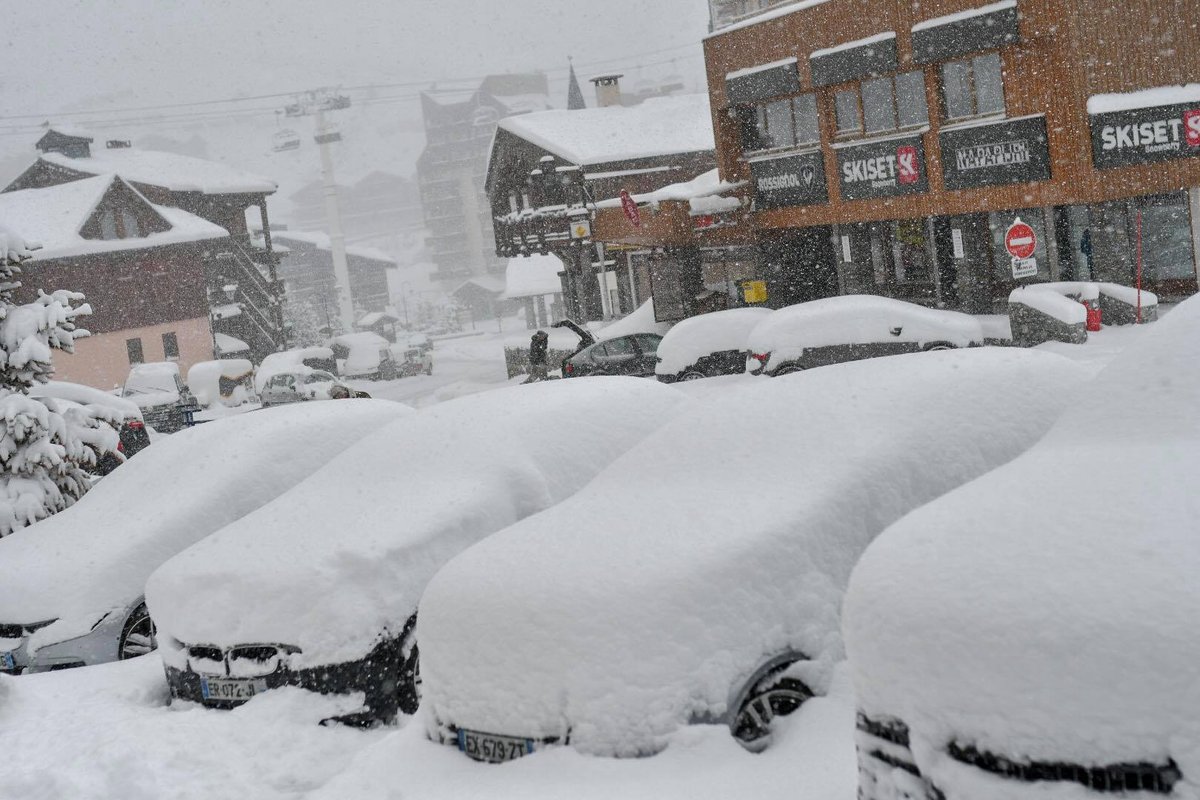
<point x="645" y="602"/>
<point x="365" y="355"/>
<point x="157" y="389"/>
<point x="337" y="615"/>
<point x="312" y="357"/>
<point x="853" y="327"/>
<point x="121" y="413"/>
<point x="300" y="384"/>
<point x="73" y="584"/>
<point x="225" y="382"/>
<point x="1033" y="634"/>
<point x="408" y="360"/>
<point x="707" y="345"/>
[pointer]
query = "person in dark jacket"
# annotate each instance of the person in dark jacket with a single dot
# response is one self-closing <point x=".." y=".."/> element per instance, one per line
<point x="538" y="347"/>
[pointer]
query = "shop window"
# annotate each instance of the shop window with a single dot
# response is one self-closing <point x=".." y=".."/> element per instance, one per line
<point x="973" y="87"/>
<point x="1166" y="238"/>
<point x="849" y="112"/>
<point x="790" y="122"/>
<point x="134" y="348"/>
<point x="879" y="105"/>
<point x="170" y="346"/>
<point x="911" y="106"/>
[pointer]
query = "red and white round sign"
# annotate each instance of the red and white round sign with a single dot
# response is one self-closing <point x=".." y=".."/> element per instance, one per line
<point x="1020" y="241"/>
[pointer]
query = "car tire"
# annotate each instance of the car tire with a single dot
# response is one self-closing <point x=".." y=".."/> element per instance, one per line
<point x="138" y="636"/>
<point x="787" y="369"/>
<point x="692" y="375"/>
<point x="771" y="696"/>
<point x="933" y="346"/>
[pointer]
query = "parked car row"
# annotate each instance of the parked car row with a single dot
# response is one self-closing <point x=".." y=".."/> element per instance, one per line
<point x="571" y="564"/>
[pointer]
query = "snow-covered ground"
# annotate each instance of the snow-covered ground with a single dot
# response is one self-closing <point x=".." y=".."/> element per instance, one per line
<point x="106" y="731"/>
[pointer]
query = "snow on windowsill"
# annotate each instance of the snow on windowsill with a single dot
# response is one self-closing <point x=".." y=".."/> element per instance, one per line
<point x="741" y="73"/>
<point x="857" y="43"/>
<point x="1144" y="98"/>
<point x="971" y="13"/>
<point x="907" y="134"/>
<point x="982" y="122"/>
<point x="771" y="155"/>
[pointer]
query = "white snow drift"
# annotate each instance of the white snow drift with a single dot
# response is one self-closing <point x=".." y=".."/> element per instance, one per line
<point x="92" y="560"/>
<point x="1047" y="612"/>
<point x="345" y="555"/>
<point x="652" y="597"/>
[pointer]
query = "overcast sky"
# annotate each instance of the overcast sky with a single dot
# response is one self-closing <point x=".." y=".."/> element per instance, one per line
<point x="96" y="54"/>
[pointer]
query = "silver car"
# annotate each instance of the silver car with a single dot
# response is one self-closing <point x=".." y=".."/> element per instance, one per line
<point x="303" y="384"/>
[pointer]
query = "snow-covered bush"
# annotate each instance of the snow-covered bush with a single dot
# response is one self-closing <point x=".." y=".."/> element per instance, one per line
<point x="45" y="447"/>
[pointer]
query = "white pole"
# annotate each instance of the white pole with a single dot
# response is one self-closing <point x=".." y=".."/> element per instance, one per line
<point x="333" y="214"/>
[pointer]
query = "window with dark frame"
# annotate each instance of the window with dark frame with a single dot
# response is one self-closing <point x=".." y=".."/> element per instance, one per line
<point x="973" y="87"/>
<point x="848" y="111"/>
<point x="134" y="348"/>
<point x="780" y="124"/>
<point x="170" y="346"/>
<point x="893" y="103"/>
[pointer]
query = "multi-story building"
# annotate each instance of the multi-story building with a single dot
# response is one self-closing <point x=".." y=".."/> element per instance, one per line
<point x="243" y="294"/>
<point x="459" y="127"/>
<point x="948" y="151"/>
<point x="306" y="268"/>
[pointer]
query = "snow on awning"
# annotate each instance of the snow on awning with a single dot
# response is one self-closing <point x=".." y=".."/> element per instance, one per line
<point x="229" y="344"/>
<point x="703" y="193"/>
<point x="974" y="30"/>
<point x="767" y="16"/>
<point x="762" y="81"/>
<point x="1144" y="98"/>
<point x="874" y="55"/>
<point x="532" y="276"/>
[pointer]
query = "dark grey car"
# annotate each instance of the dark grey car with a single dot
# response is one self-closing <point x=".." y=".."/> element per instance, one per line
<point x="634" y="354"/>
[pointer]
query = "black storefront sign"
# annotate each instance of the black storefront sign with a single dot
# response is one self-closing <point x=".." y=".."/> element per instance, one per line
<point x="993" y="155"/>
<point x="962" y="36"/>
<point x="763" y="84"/>
<point x="1145" y="135"/>
<point x="883" y="169"/>
<point x="797" y="180"/>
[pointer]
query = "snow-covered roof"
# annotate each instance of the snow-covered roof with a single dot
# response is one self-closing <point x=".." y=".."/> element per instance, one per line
<point x="229" y="344"/>
<point x="374" y="318"/>
<point x="322" y="242"/>
<point x="532" y="276"/>
<point x="766" y="16"/>
<point x="659" y="126"/>
<point x="168" y="170"/>
<point x="489" y="283"/>
<point x="1144" y="98"/>
<point x="54" y="216"/>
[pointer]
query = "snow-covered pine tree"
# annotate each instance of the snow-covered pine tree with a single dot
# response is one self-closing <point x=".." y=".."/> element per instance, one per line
<point x="44" y="452"/>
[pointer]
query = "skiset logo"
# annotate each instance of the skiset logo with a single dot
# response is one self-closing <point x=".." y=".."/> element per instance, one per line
<point x="903" y="168"/>
<point x="1154" y="136"/>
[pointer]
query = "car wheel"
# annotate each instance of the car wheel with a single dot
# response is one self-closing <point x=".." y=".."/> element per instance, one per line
<point x="788" y="369"/>
<point x="939" y="346"/>
<point x="692" y="376"/>
<point x="773" y="696"/>
<point x="138" y="636"/>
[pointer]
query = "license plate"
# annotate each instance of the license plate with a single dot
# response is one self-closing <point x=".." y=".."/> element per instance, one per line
<point x="231" y="689"/>
<point x="7" y="661"/>
<point x="492" y="748"/>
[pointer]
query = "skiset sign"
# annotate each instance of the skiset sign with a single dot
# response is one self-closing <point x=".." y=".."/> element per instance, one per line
<point x="883" y="169"/>
<point x="1145" y="135"/>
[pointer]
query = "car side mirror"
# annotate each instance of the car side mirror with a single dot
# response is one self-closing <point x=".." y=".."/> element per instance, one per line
<point x="897" y="331"/>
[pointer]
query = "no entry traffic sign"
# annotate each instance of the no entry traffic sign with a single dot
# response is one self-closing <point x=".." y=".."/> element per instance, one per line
<point x="1020" y="240"/>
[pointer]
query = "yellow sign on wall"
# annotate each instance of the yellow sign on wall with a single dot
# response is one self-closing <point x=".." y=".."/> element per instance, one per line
<point x="754" y="291"/>
<point x="581" y="229"/>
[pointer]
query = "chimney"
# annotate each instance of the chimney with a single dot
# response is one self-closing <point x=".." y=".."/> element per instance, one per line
<point x="608" y="90"/>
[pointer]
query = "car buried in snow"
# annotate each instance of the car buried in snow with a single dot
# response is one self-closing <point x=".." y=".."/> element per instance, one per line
<point x="72" y="593"/>
<point x="710" y="592"/>
<point x="1033" y="634"/>
<point x="707" y="345"/>
<point x="366" y="533"/>
<point x="853" y="327"/>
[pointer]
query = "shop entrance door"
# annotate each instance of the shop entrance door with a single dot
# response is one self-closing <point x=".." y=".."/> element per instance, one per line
<point x="965" y="262"/>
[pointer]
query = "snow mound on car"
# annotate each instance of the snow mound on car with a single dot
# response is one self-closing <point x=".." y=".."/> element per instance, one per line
<point x="723" y="539"/>
<point x="345" y="555"/>
<point x="701" y="335"/>
<point x="1048" y="611"/>
<point x="96" y="555"/>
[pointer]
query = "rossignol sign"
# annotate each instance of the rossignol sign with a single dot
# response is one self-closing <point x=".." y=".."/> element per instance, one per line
<point x="1145" y="135"/>
<point x="883" y="169"/>
<point x="797" y="180"/>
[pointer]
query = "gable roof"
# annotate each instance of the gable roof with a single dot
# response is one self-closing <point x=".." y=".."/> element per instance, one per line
<point x="55" y="215"/>
<point x="321" y="241"/>
<point x="167" y="170"/>
<point x="588" y="136"/>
